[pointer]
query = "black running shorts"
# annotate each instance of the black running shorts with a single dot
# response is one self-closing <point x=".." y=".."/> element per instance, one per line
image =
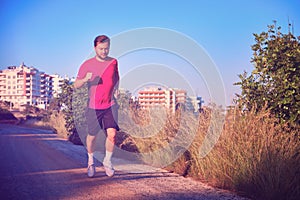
<point x="102" y="119"/>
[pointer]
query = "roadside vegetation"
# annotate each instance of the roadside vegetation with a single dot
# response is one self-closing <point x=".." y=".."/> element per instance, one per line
<point x="258" y="151"/>
<point x="255" y="155"/>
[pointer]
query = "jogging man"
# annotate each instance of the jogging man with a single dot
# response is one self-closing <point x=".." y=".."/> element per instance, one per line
<point x="102" y="75"/>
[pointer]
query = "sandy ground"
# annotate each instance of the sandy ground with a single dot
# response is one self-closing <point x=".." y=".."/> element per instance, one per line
<point x="35" y="164"/>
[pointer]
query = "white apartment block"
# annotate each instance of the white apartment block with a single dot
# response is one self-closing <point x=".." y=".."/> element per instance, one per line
<point x="164" y="98"/>
<point x="194" y="103"/>
<point x="25" y="86"/>
<point x="57" y="82"/>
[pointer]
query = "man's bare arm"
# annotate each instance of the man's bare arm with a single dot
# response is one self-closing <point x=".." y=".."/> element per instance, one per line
<point x="80" y="82"/>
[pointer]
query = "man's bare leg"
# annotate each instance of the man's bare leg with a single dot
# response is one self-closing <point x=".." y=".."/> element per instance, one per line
<point x="90" y="143"/>
<point x="110" y="140"/>
<point x="109" y="146"/>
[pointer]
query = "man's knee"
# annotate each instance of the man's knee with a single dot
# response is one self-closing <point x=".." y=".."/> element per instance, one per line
<point x="111" y="134"/>
<point x="90" y="138"/>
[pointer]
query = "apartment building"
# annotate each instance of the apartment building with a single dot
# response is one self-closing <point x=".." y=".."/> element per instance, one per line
<point x="25" y="86"/>
<point x="194" y="103"/>
<point x="159" y="97"/>
<point x="57" y="82"/>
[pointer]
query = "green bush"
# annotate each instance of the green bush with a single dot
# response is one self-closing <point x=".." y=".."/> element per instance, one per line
<point x="73" y="104"/>
<point x="276" y="76"/>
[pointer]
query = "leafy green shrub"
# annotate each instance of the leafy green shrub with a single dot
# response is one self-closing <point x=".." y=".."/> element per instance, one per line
<point x="73" y="104"/>
<point x="276" y="75"/>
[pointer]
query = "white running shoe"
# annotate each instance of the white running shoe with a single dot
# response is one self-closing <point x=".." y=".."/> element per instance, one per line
<point x="109" y="170"/>
<point x="91" y="171"/>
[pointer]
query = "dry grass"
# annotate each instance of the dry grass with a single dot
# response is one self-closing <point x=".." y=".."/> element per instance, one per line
<point x="54" y="122"/>
<point x="158" y="135"/>
<point x="254" y="155"/>
<point x="257" y="156"/>
<point x="57" y="121"/>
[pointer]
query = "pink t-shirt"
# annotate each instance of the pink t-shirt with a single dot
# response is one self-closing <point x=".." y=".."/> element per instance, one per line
<point x="101" y="95"/>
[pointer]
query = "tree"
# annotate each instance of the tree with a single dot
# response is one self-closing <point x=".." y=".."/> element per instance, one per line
<point x="275" y="80"/>
<point x="54" y="105"/>
<point x="124" y="100"/>
<point x="73" y="104"/>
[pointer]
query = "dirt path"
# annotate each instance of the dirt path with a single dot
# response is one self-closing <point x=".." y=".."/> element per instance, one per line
<point x="35" y="164"/>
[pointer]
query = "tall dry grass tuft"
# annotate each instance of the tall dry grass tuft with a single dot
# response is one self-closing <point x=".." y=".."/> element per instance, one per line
<point x="37" y="123"/>
<point x="259" y="156"/>
<point x="254" y="154"/>
<point x="57" y="121"/>
<point x="159" y="136"/>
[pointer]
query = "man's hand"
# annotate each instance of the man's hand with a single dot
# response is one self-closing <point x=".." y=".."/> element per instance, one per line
<point x="96" y="81"/>
<point x="80" y="82"/>
<point x="88" y="76"/>
<point x="116" y="93"/>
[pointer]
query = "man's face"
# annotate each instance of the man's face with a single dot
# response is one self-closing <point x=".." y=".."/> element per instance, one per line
<point x="102" y="50"/>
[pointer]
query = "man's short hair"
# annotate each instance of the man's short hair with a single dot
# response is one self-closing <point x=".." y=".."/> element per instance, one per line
<point x="101" y="39"/>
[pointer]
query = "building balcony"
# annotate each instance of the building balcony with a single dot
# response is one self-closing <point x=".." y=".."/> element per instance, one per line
<point x="151" y="93"/>
<point x="152" y="96"/>
<point x="151" y="101"/>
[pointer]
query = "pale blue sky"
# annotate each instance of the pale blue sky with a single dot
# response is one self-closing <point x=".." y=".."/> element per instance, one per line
<point x="56" y="36"/>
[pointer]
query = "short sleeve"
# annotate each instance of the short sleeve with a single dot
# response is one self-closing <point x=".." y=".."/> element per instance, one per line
<point x="82" y="72"/>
